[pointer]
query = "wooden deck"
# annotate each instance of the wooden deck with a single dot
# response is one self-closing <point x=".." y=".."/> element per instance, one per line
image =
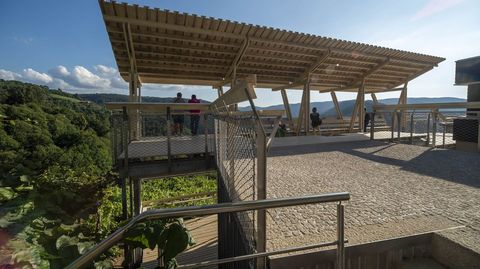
<point x="204" y="231"/>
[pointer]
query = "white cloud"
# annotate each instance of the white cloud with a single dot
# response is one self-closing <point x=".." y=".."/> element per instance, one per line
<point x="433" y="7"/>
<point x="33" y="76"/>
<point x="83" y="78"/>
<point x="9" y="75"/>
<point x="59" y="71"/>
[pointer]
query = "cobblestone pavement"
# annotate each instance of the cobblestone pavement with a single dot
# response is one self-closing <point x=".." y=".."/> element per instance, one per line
<point x="396" y="190"/>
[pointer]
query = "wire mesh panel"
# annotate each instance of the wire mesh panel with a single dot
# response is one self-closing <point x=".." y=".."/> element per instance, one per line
<point x="235" y="138"/>
<point x="151" y="135"/>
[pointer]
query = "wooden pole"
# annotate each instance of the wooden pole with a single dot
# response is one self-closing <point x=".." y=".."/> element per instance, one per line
<point x="361" y="106"/>
<point x="337" y="105"/>
<point x="307" y="107"/>
<point x="288" y="111"/>
<point x="300" y="114"/>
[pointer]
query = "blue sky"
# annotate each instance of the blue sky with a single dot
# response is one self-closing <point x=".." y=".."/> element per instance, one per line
<point x="64" y="43"/>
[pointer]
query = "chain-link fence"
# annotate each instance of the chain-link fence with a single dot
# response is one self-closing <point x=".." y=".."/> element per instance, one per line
<point x="418" y="127"/>
<point x="236" y="148"/>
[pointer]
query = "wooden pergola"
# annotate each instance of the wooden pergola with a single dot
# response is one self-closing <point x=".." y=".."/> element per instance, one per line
<point x="151" y="45"/>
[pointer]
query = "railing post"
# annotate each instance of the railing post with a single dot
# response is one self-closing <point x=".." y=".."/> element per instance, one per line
<point x="169" y="134"/>
<point x="205" y="123"/>
<point x="372" y="126"/>
<point x="444" y="131"/>
<point x="411" y="127"/>
<point x="428" y="130"/>
<point x="126" y="141"/>
<point x="261" y="193"/>
<point x="393" y="125"/>
<point x="434" y="129"/>
<point x="340" y="236"/>
<point x="399" y="125"/>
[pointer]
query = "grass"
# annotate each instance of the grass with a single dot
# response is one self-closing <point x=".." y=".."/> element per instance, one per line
<point x="61" y="97"/>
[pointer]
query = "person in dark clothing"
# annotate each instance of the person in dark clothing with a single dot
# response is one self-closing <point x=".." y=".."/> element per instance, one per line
<point x="367" y="120"/>
<point x="178" y="117"/>
<point x="315" y="120"/>
<point x="195" y="115"/>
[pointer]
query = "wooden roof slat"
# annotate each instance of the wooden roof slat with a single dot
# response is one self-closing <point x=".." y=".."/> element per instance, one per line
<point x="165" y="41"/>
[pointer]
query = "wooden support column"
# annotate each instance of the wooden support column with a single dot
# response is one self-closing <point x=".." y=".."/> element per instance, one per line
<point x="356" y="108"/>
<point x="361" y="107"/>
<point x="288" y="111"/>
<point x="404" y="102"/>
<point x="301" y="114"/>
<point x="337" y="105"/>
<point x="307" y="107"/>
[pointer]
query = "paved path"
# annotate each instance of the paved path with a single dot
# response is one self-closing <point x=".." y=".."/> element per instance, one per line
<point x="396" y="190"/>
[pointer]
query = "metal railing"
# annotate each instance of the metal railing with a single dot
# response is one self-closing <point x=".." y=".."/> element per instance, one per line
<point x="421" y="124"/>
<point x="88" y="258"/>
<point x="146" y="131"/>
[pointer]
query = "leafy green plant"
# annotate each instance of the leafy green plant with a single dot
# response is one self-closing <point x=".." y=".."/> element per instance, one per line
<point x="171" y="236"/>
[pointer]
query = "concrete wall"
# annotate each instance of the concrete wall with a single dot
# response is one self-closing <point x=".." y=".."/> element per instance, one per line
<point x="454" y="255"/>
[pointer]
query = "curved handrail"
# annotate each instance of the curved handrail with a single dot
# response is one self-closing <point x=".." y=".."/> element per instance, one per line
<point x="194" y="211"/>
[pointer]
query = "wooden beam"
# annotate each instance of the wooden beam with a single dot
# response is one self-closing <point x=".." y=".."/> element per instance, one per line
<point x="361" y="107"/>
<point x="339" y="51"/>
<point x="337" y="105"/>
<point x="355" y="110"/>
<point x="288" y="111"/>
<point x="307" y="72"/>
<point x="307" y="107"/>
<point x="362" y="78"/>
<point x="171" y="26"/>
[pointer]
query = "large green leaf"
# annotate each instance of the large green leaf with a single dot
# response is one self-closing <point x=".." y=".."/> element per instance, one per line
<point x="83" y="247"/>
<point x="7" y="193"/>
<point x="136" y="237"/>
<point x="65" y="241"/>
<point x="177" y="241"/>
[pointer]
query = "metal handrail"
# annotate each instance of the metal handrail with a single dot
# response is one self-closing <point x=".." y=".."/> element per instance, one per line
<point x="196" y="211"/>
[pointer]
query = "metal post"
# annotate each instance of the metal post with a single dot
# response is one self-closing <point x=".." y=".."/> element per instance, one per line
<point x="137" y="189"/>
<point x="399" y="125"/>
<point x="261" y="193"/>
<point x="340" y="237"/>
<point x="444" y="131"/>
<point x="428" y="130"/>
<point x="169" y="134"/>
<point x="123" y="183"/>
<point x="205" y="125"/>
<point x="126" y="141"/>
<point x="130" y="188"/>
<point x="372" y="126"/>
<point x="393" y="125"/>
<point x="411" y="127"/>
<point x="434" y="129"/>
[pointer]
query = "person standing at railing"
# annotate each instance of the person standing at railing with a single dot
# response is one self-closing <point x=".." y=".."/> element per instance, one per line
<point x="194" y="115"/>
<point x="367" y="120"/>
<point x="178" y="117"/>
<point x="315" y="120"/>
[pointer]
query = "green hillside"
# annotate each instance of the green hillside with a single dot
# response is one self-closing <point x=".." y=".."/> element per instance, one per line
<point x="54" y="168"/>
<point x="58" y="196"/>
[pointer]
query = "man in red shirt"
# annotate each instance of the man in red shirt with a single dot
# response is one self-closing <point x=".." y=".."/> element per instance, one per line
<point x="195" y="115"/>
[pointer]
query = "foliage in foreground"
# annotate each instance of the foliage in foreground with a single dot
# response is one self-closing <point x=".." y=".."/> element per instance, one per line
<point x="169" y="235"/>
<point x="54" y="169"/>
<point x="58" y="197"/>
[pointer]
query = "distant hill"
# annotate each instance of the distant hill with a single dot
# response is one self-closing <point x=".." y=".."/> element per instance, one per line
<point x="326" y="108"/>
<point x="102" y="98"/>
